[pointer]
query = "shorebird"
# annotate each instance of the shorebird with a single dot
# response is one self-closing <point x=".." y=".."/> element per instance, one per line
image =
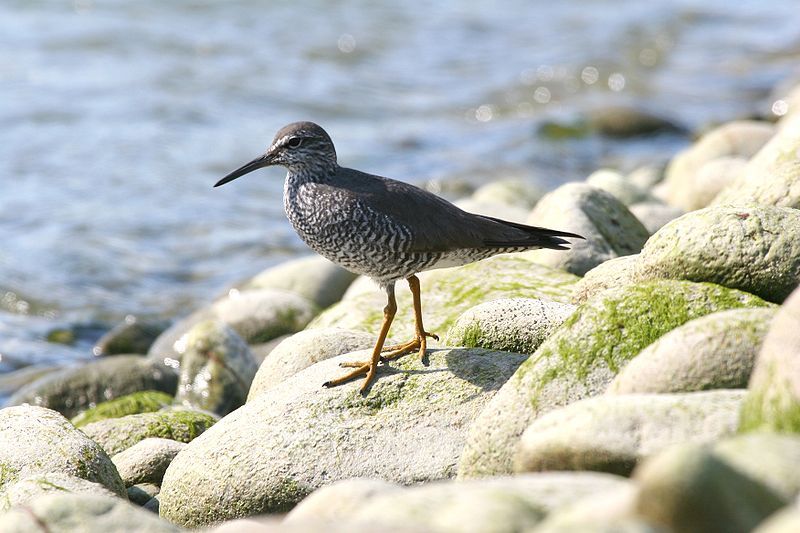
<point x="385" y="229"/>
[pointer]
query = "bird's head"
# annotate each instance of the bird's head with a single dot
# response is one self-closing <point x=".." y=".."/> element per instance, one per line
<point x="300" y="147"/>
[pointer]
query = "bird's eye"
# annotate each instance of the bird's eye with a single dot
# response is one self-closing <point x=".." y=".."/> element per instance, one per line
<point x="294" y="142"/>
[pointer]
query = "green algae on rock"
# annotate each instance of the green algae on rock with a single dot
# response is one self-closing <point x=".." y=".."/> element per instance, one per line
<point x="581" y="358"/>
<point x="139" y="402"/>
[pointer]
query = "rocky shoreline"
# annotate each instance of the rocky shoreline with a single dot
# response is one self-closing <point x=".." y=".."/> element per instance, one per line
<point x="646" y="380"/>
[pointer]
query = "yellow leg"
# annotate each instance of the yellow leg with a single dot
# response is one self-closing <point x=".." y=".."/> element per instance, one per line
<point x="419" y="342"/>
<point x="368" y="369"/>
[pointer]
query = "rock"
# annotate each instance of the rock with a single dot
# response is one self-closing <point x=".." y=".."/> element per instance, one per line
<point x="340" y="500"/>
<point x="217" y="369"/>
<point x="256" y="315"/>
<point x="298" y="436"/>
<point x="508" y="324"/>
<point x="35" y="486"/>
<point x="754" y="249"/>
<point x="647" y="176"/>
<point x="313" y="277"/>
<point x="787" y="520"/>
<point x="35" y="441"/>
<point x="625" y="122"/>
<point x="146" y="461"/>
<point x="152" y="505"/>
<point x="687" y="489"/>
<point x="14" y="380"/>
<point x="118" y="434"/>
<point x="773" y="403"/>
<point x="582" y="357"/>
<point x="716" y="351"/>
<point x="518" y="193"/>
<point x="741" y="139"/>
<point x="609" y="228"/>
<point x="142" y="493"/>
<point x="72" y="390"/>
<point x="493" y="209"/>
<point x="772" y="176"/>
<point x="654" y="215"/>
<point x="613" y="433"/>
<point x="492" y="505"/>
<point x="613" y="273"/>
<point x="447" y="293"/>
<point x="302" y="350"/>
<point x="132" y="336"/>
<point x="147" y="401"/>
<point x="618" y="185"/>
<point x="84" y="512"/>
<point x="261" y="350"/>
<point x="769" y="458"/>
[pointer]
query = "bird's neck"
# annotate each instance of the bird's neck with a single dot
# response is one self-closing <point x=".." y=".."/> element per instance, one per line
<point x="317" y="172"/>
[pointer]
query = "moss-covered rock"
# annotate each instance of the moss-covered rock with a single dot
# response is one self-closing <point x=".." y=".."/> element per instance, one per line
<point x="772" y="176"/>
<point x="302" y="350"/>
<point x="216" y="370"/>
<point x="609" y="228"/>
<point x="35" y="440"/>
<point x="754" y="249"/>
<point x="508" y="324"/>
<point x="773" y="403"/>
<point x="75" y="389"/>
<point x="716" y="351"/>
<point x="139" y="402"/>
<point x="624" y="121"/>
<point x="613" y="433"/>
<point x="88" y="513"/>
<point x="448" y="292"/>
<point x="118" y="434"/>
<point x="146" y="461"/>
<point x="35" y="486"/>
<point x="614" y="273"/>
<point x="131" y="336"/>
<point x="581" y="358"/>
<point x="298" y="436"/>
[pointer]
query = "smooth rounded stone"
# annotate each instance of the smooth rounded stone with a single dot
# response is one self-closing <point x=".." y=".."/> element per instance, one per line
<point x="627" y="121"/>
<point x="339" y="501"/>
<point x="146" y="461"/>
<point x="613" y="433"/>
<point x="770" y="458"/>
<point x="787" y="520"/>
<point x="35" y="440"/>
<point x="16" y="379"/>
<point x="647" y="176"/>
<point x="610" y="230"/>
<point x="581" y="358"/>
<point x="75" y="389"/>
<point x="142" y="493"/>
<point x="508" y="324"/>
<point x="268" y="455"/>
<point x="772" y="176"/>
<point x="37" y="485"/>
<point x="261" y="350"/>
<point x="118" y="434"/>
<point x="131" y="336"/>
<point x="754" y="249"/>
<point x="716" y="351"/>
<point x="217" y="369"/>
<point x="257" y="315"/>
<point x="82" y="512"/>
<point x="611" y="274"/>
<point x="712" y="178"/>
<point x="314" y="278"/>
<point x="270" y="524"/>
<point x="447" y="293"/>
<point x="686" y="488"/>
<point x="773" y="403"/>
<point x="654" y="215"/>
<point x="615" y="183"/>
<point x="518" y="193"/>
<point x="302" y="350"/>
<point x="147" y="401"/>
<point x="742" y="139"/>
<point x="493" y="209"/>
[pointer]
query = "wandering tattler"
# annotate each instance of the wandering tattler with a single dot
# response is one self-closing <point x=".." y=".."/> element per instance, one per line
<point x="381" y="228"/>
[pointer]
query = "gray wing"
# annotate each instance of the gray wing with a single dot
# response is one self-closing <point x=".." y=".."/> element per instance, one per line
<point x="436" y="224"/>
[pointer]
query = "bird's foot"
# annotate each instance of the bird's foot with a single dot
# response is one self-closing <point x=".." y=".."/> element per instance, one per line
<point x="360" y="369"/>
<point x="417" y="344"/>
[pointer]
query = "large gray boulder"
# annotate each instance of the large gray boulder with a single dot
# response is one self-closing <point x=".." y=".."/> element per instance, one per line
<point x="74" y="389"/>
<point x="582" y="357"/>
<point x="297" y="436"/>
<point x="613" y="433"/>
<point x="716" y="351"/>
<point x="37" y="485"/>
<point x="146" y="461"/>
<point x="754" y="249"/>
<point x="609" y="228"/>
<point x="35" y="440"/>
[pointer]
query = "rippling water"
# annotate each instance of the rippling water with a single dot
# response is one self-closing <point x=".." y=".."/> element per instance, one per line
<point x="117" y="116"/>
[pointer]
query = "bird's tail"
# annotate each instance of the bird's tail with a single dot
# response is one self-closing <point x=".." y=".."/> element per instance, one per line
<point x="532" y="237"/>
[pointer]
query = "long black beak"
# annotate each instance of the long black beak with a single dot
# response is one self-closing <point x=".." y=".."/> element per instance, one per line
<point x="259" y="162"/>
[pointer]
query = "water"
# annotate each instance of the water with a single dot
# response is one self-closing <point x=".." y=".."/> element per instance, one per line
<point x="116" y="117"/>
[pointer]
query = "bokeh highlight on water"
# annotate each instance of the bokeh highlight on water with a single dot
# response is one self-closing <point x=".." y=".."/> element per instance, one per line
<point x="116" y="117"/>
